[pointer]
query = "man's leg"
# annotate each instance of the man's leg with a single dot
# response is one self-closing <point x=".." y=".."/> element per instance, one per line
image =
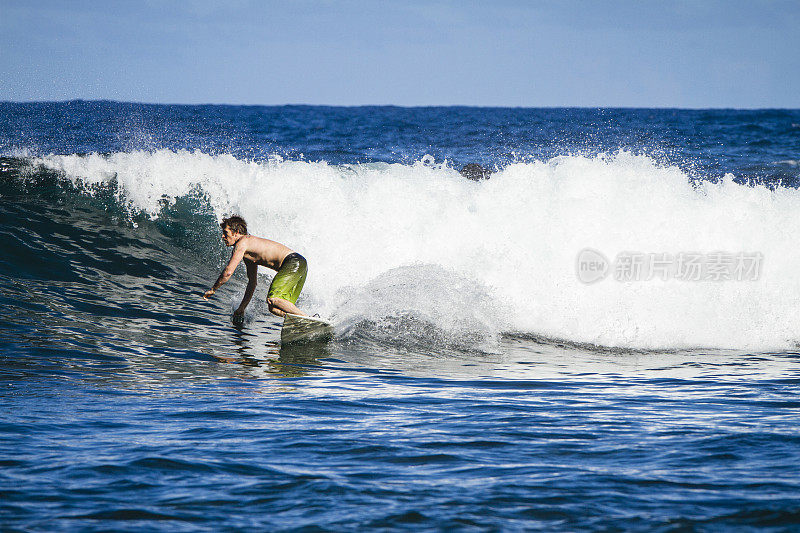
<point x="279" y="306"/>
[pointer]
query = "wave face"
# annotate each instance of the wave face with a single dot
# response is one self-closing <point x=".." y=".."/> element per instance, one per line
<point x="388" y="240"/>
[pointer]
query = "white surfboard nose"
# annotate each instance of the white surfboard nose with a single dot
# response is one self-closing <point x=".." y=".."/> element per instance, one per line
<point x="304" y="328"/>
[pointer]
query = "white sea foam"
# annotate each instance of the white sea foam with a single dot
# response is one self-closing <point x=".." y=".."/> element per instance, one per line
<point x="375" y="234"/>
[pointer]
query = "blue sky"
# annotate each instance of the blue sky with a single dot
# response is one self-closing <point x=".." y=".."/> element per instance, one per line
<point x="743" y="54"/>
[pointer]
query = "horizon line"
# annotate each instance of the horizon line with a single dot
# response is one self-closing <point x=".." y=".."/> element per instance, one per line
<point x="418" y="106"/>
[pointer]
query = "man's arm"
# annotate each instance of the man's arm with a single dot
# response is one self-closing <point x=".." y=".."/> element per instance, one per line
<point x="252" y="281"/>
<point x="236" y="258"/>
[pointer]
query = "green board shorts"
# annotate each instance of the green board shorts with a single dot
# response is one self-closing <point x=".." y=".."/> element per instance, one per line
<point x="289" y="280"/>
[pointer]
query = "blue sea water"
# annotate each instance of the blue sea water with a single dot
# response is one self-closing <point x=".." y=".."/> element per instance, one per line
<point x="474" y="382"/>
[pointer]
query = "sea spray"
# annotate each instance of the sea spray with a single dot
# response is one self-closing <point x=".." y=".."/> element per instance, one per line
<point x="422" y="306"/>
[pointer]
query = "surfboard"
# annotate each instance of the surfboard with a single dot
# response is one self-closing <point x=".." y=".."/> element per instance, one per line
<point x="298" y="328"/>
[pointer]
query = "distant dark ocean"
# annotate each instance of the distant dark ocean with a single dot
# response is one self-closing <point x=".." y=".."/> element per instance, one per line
<point x="595" y="329"/>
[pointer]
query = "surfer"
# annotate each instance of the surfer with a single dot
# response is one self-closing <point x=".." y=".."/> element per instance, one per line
<point x="291" y="268"/>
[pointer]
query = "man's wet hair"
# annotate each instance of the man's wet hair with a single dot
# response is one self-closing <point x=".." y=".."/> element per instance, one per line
<point x="235" y="223"/>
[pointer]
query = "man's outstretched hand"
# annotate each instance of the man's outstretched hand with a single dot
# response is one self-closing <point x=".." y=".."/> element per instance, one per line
<point x="208" y="294"/>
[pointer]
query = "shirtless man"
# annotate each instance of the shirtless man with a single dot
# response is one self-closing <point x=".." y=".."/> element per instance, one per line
<point x="287" y="283"/>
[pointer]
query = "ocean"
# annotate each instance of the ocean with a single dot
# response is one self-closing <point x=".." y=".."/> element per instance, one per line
<point x="596" y="331"/>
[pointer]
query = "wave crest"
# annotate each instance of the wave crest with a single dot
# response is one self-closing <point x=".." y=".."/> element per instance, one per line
<point x="516" y="234"/>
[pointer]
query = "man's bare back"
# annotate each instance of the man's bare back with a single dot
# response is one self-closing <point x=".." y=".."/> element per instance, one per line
<point x="291" y="267"/>
<point x="263" y="251"/>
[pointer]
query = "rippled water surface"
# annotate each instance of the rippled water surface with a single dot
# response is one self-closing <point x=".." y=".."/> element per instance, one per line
<point x="534" y="437"/>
